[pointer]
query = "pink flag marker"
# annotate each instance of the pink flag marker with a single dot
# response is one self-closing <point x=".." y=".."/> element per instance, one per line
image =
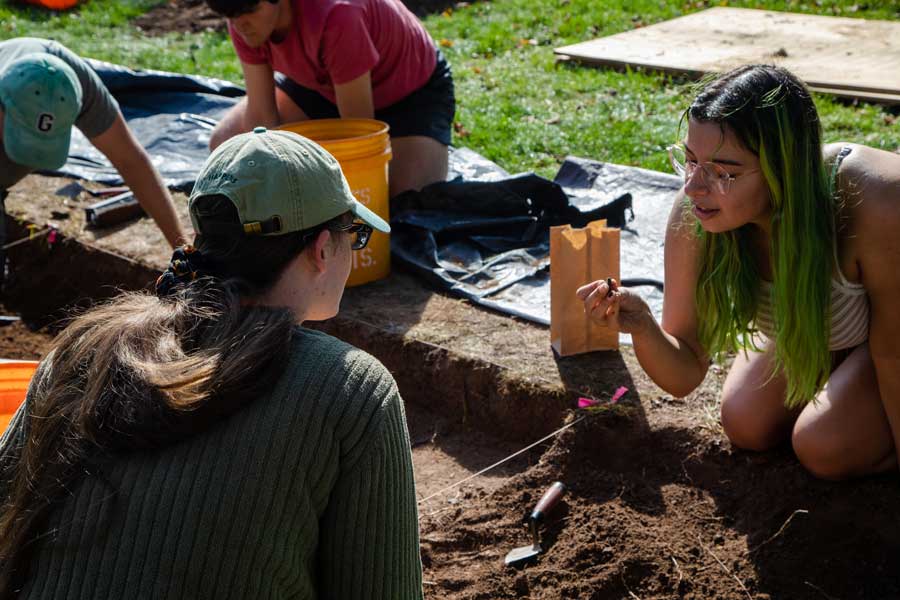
<point x="618" y="395"/>
<point x="589" y="402"/>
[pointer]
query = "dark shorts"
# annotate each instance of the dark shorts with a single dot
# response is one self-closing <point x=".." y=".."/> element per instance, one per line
<point x="428" y="111"/>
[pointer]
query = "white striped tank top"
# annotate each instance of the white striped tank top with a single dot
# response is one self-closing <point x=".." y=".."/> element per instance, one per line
<point x="849" y="313"/>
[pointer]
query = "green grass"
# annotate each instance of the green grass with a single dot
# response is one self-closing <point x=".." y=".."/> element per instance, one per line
<point x="102" y="29"/>
<point x="517" y="104"/>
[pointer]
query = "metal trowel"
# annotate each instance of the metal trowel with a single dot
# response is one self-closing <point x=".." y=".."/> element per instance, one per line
<point x="520" y="556"/>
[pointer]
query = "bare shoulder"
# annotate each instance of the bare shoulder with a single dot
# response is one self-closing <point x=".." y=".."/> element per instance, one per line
<point x="869" y="184"/>
<point x="869" y="180"/>
<point x="682" y="245"/>
<point x="681" y="257"/>
<point x="682" y="224"/>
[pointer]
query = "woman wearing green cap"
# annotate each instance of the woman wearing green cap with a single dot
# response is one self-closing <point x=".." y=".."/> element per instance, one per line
<point x="45" y="90"/>
<point x="201" y="443"/>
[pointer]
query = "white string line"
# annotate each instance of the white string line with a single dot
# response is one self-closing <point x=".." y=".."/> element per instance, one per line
<point x="500" y="462"/>
<point x="28" y="238"/>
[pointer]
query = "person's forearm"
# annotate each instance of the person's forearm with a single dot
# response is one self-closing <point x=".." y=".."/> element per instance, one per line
<point x="154" y="198"/>
<point x="669" y="362"/>
<point x="258" y="118"/>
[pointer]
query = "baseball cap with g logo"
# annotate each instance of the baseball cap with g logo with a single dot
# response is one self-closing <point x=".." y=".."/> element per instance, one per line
<point x="41" y="98"/>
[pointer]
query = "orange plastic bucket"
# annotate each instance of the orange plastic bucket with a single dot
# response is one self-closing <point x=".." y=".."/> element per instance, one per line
<point x="55" y="4"/>
<point x="363" y="149"/>
<point x="15" y="375"/>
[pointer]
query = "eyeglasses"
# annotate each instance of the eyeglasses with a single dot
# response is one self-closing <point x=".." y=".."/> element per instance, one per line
<point x="714" y="175"/>
<point x="360" y="231"/>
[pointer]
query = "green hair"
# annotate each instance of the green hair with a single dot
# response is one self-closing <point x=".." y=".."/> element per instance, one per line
<point x="773" y="115"/>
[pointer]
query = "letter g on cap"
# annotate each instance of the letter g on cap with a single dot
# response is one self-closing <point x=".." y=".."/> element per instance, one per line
<point x="45" y="122"/>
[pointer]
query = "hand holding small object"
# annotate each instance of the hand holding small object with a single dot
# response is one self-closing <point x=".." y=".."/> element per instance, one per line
<point x="617" y="307"/>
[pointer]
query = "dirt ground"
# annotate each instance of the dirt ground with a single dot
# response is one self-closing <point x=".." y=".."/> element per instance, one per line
<point x="20" y="341"/>
<point x="658" y="506"/>
<point x="192" y="16"/>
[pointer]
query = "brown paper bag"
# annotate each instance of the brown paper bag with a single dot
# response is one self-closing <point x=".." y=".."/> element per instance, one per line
<point x="577" y="257"/>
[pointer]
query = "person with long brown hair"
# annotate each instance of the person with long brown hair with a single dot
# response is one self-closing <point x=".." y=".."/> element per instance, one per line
<point x="201" y="443"/>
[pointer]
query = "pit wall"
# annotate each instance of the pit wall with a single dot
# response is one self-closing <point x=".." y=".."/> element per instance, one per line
<point x="48" y="282"/>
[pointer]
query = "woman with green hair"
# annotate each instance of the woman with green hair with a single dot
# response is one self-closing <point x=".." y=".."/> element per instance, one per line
<point x="786" y="253"/>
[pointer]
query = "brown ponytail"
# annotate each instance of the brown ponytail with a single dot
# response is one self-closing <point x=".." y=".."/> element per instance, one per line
<point x="142" y="372"/>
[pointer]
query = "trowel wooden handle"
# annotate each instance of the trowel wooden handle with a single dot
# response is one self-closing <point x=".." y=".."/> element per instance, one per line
<point x="548" y="501"/>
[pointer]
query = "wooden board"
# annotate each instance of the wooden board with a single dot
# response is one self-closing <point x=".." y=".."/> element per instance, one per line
<point x="849" y="57"/>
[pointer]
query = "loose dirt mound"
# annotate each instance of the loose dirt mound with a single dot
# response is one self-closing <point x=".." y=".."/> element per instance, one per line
<point x="189" y="16"/>
<point x="193" y="16"/>
<point x="661" y="511"/>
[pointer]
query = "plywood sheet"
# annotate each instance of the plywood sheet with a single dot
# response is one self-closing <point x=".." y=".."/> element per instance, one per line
<point x="851" y="57"/>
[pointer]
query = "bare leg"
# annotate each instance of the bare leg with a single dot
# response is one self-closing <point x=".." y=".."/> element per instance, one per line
<point x="845" y="433"/>
<point x="753" y="412"/>
<point x="417" y="161"/>
<point x="288" y="111"/>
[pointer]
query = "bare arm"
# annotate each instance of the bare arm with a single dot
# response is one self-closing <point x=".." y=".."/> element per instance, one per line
<point x="133" y="164"/>
<point x="261" y="107"/>
<point x="669" y="353"/>
<point x="873" y="195"/>
<point x="354" y="98"/>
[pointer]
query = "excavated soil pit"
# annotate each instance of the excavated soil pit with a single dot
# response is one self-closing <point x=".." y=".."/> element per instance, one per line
<point x="21" y="341"/>
<point x="663" y="509"/>
<point x="658" y="506"/>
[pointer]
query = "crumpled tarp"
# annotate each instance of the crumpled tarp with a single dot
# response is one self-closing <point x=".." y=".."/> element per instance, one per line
<point x="170" y="114"/>
<point x="495" y="253"/>
<point x="484" y="234"/>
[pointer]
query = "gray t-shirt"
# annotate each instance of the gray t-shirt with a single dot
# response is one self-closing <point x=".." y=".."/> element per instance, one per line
<point x="98" y="107"/>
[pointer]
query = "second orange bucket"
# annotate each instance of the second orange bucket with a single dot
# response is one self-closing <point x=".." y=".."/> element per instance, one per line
<point x="363" y="149"/>
<point x="15" y="375"/>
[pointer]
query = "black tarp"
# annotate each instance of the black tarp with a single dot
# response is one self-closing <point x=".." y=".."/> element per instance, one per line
<point x="171" y="115"/>
<point x="490" y="242"/>
<point x="482" y="235"/>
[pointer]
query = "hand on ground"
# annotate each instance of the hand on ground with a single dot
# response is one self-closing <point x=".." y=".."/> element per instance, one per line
<point x="623" y="310"/>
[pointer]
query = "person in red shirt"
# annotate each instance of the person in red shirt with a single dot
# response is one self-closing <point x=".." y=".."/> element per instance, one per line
<point x="315" y="59"/>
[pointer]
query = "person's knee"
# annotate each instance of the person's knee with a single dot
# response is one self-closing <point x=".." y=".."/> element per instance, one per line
<point x="819" y="453"/>
<point x="418" y="161"/>
<point x="745" y="427"/>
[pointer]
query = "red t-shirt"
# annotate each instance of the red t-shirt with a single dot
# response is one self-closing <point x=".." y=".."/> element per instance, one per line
<point x="336" y="41"/>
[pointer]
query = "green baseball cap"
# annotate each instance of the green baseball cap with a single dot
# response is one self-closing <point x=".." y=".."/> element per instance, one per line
<point x="41" y="98"/>
<point x="280" y="182"/>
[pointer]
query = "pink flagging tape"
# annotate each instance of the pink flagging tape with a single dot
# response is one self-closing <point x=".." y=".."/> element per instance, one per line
<point x="618" y="395"/>
<point x="589" y="402"/>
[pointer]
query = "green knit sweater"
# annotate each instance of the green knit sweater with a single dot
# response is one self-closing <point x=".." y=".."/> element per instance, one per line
<point x="305" y="493"/>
